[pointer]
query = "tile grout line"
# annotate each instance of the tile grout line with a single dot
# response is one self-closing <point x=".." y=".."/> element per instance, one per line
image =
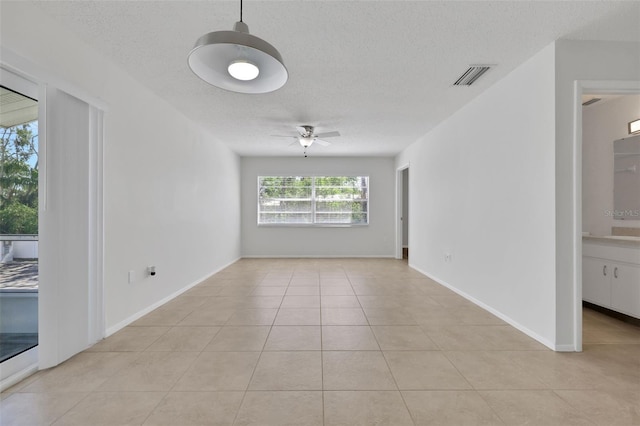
<point x="404" y="402"/>
<point x="244" y="395"/>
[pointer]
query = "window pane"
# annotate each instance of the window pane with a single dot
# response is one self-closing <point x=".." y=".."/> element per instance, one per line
<point x="341" y="218"/>
<point x="278" y="206"/>
<point x="285" y="218"/>
<point x="338" y="206"/>
<point x="321" y="199"/>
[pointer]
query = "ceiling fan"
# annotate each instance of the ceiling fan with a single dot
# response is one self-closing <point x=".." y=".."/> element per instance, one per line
<point x="306" y="137"/>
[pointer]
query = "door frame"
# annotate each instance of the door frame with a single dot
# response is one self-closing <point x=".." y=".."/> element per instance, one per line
<point x="399" y="210"/>
<point x="580" y="87"/>
<point x="21" y="68"/>
<point x="25" y="363"/>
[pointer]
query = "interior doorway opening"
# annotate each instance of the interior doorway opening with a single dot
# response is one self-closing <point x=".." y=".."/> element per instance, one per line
<point x="601" y="277"/>
<point x="405" y="214"/>
<point x="402" y="213"/>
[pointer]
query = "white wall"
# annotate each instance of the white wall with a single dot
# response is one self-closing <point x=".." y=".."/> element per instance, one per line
<point x="497" y="190"/>
<point x="164" y="201"/>
<point x="377" y="239"/>
<point x="578" y="61"/>
<point x="603" y="123"/>
<point x="482" y="190"/>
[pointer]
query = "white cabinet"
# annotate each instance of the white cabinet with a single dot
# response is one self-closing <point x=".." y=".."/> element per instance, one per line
<point x="625" y="289"/>
<point x="611" y="276"/>
<point x="596" y="281"/>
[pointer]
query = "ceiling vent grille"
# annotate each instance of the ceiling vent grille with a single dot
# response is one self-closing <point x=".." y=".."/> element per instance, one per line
<point x="471" y="75"/>
<point x="591" y="101"/>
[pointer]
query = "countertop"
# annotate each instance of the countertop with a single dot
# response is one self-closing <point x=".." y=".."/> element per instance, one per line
<point x="613" y="239"/>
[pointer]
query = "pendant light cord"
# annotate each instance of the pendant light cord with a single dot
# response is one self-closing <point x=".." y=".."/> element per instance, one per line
<point x="240" y="10"/>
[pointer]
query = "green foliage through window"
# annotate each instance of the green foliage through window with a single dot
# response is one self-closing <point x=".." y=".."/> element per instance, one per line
<point x="19" y="179"/>
<point x="323" y="200"/>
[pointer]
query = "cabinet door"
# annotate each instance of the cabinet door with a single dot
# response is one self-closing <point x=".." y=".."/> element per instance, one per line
<point x="625" y="289"/>
<point x="596" y="285"/>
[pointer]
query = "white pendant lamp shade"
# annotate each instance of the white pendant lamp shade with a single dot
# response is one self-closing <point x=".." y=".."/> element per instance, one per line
<point x="238" y="61"/>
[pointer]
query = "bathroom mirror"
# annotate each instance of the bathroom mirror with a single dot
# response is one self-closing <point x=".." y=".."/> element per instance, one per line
<point x="626" y="178"/>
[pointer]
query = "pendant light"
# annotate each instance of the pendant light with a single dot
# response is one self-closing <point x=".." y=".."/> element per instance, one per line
<point x="238" y="61"/>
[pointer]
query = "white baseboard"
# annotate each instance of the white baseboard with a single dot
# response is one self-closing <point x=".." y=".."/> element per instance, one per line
<point x="122" y="324"/>
<point x="18" y="377"/>
<point x="503" y="317"/>
<point x="565" y="348"/>
<point x="318" y="256"/>
<point x="24" y="365"/>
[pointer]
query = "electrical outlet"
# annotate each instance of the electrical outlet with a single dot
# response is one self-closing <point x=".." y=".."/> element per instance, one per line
<point x="447" y="257"/>
<point x="131" y="276"/>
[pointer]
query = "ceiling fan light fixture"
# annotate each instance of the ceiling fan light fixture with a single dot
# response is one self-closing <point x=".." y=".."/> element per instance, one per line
<point x="306" y="141"/>
<point x="243" y="70"/>
<point x="238" y="61"/>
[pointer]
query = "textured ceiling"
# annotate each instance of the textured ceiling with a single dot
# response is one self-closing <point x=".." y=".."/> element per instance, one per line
<point x="380" y="72"/>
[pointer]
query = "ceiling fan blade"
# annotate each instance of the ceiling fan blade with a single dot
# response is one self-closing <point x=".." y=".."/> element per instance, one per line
<point x="321" y="142"/>
<point x="294" y="143"/>
<point x="328" y="135"/>
<point x="301" y="130"/>
<point x="283" y="136"/>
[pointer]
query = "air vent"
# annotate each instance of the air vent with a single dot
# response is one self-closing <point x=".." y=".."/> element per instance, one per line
<point x="471" y="75"/>
<point x="591" y="101"/>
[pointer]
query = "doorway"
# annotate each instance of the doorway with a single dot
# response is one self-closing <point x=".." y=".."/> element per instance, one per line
<point x="70" y="311"/>
<point x="19" y="224"/>
<point x="402" y="213"/>
<point x="598" y="118"/>
<point x="405" y="214"/>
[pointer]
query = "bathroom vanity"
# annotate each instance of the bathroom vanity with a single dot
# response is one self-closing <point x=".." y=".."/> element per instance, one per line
<point x="611" y="273"/>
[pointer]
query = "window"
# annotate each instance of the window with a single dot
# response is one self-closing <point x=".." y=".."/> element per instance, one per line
<point x="313" y="200"/>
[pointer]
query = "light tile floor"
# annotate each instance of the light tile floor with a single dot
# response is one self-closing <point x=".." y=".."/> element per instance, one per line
<point x="333" y="342"/>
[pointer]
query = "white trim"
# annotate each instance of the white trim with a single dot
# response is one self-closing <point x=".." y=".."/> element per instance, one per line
<point x="17" y="64"/>
<point x="595" y="87"/>
<point x="499" y="314"/>
<point x="96" y="226"/>
<point x="42" y="149"/>
<point x="565" y="348"/>
<point x="318" y="256"/>
<point x="399" y="203"/>
<point x="122" y="324"/>
<point x="24" y="364"/>
<point x="14" y="81"/>
<point x="577" y="221"/>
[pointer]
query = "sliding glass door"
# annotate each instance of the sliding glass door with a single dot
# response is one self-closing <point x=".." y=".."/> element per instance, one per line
<point x="19" y="227"/>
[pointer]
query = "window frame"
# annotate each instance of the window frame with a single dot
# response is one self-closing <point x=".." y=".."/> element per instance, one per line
<point x="313" y="224"/>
